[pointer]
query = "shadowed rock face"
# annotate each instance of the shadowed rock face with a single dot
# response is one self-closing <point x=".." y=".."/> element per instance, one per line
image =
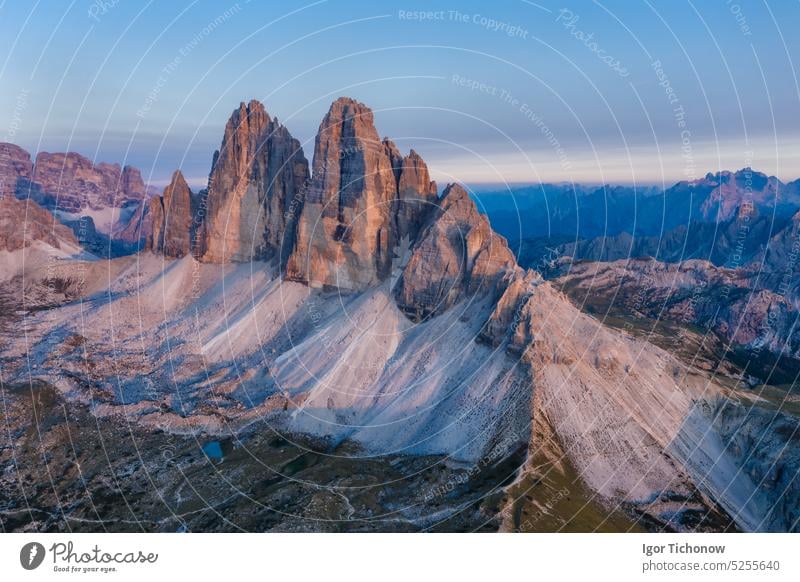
<point x="458" y="255"/>
<point x="255" y="189"/>
<point x="363" y="199"/>
<point x="24" y="221"/>
<point x="15" y="166"/>
<point x="171" y="219"/>
<point x="138" y="229"/>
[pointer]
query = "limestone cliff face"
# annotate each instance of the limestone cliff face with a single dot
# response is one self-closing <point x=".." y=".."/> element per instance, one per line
<point x="345" y="233"/>
<point x="23" y="221"/>
<point x="457" y="255"/>
<point x="15" y="167"/>
<point x="508" y="320"/>
<point x="71" y="183"/>
<point x="138" y="228"/>
<point x="256" y="189"/>
<point x="416" y="193"/>
<point x="363" y="200"/>
<point x="105" y="204"/>
<point x="171" y="217"/>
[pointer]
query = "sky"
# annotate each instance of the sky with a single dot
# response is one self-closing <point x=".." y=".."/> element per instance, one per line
<point x="504" y="92"/>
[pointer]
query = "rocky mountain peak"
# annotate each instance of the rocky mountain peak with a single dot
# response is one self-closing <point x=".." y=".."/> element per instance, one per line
<point x="346" y="232"/>
<point x="256" y="188"/>
<point x="458" y="255"/>
<point x="744" y="188"/>
<point x="245" y="132"/>
<point x="395" y="157"/>
<point x="109" y="197"/>
<point x="414" y="179"/>
<point x="171" y="217"/>
<point x="15" y="166"/>
<point x="350" y="117"/>
<point x="70" y="182"/>
<point x="344" y="227"/>
<point x="416" y="194"/>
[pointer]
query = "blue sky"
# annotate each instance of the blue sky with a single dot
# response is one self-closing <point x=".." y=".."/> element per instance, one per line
<point x="507" y="91"/>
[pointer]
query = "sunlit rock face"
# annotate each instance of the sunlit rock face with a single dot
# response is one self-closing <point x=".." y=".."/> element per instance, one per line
<point x="171" y="216"/>
<point x="23" y="222"/>
<point x="69" y="182"/>
<point x="256" y="189"/>
<point x="345" y="235"/>
<point x="457" y="255"/>
<point x="417" y="197"/>
<point x="364" y="198"/>
<point x="15" y="167"/>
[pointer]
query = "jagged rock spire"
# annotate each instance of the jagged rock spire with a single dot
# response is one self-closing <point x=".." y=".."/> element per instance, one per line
<point x="171" y="217"/>
<point x="256" y="189"/>
<point x="457" y="255"/>
<point x="345" y="233"/>
<point x="363" y="199"/>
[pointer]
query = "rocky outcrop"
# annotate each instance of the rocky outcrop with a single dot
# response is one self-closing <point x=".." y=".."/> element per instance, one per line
<point x="171" y="217"/>
<point x="746" y="189"/>
<point x="138" y="228"/>
<point x="778" y="270"/>
<point x="507" y="321"/>
<point x="345" y="235"/>
<point x="416" y="194"/>
<point x="722" y="243"/>
<point x="71" y="183"/>
<point x="729" y="302"/>
<point x="364" y="199"/>
<point x="104" y="204"/>
<point x="15" y="168"/>
<point x="457" y="255"/>
<point x="23" y="221"/>
<point x="256" y="189"/>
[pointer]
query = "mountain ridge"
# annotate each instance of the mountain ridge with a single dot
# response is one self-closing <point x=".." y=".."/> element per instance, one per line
<point x="396" y="321"/>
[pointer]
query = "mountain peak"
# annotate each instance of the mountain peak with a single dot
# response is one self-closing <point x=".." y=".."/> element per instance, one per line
<point x="178" y="179"/>
<point x="346" y="231"/>
<point x="15" y="167"/>
<point x="69" y="182"/>
<point x="253" y="107"/>
<point x="458" y="255"/>
<point x="259" y="170"/>
<point x="455" y="193"/>
<point x="344" y="102"/>
<point x="171" y="217"/>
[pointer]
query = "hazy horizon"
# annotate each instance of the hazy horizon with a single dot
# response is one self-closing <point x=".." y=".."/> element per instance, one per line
<point x="613" y="96"/>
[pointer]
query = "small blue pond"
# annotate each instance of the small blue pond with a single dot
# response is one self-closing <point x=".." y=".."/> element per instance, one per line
<point x="214" y="450"/>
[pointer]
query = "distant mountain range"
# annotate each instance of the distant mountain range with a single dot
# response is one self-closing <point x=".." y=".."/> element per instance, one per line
<point x="719" y="253"/>
<point x="102" y="203"/>
<point x="584" y="212"/>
